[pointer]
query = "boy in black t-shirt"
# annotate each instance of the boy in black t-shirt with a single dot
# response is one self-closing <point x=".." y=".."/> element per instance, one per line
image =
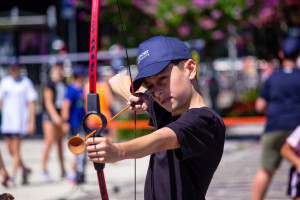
<point x="187" y="146"/>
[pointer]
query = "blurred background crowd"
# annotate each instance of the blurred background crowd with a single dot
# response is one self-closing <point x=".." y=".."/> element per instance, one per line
<point x="234" y="43"/>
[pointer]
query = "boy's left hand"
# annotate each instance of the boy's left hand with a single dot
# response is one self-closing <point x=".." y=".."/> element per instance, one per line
<point x="140" y="102"/>
<point x="102" y="150"/>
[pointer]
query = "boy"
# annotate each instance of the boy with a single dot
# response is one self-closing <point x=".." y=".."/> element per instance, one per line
<point x="187" y="145"/>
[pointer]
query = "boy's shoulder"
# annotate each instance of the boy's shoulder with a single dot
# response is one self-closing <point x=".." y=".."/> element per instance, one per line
<point x="202" y="111"/>
<point x="199" y="116"/>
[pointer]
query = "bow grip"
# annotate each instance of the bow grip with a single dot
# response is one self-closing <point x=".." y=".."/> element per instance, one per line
<point x="93" y="107"/>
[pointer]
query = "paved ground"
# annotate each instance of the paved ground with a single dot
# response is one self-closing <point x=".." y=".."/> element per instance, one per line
<point x="232" y="180"/>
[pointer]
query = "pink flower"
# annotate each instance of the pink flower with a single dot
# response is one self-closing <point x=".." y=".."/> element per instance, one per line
<point x="181" y="10"/>
<point x="153" y="2"/>
<point x="218" y="34"/>
<point x="250" y="2"/>
<point x="206" y="23"/>
<point x="215" y="14"/>
<point x="159" y="23"/>
<point x="149" y="6"/>
<point x="138" y="3"/>
<point x="184" y="30"/>
<point x="150" y="9"/>
<point x="265" y="14"/>
<point x="204" y="3"/>
<point x="272" y="3"/>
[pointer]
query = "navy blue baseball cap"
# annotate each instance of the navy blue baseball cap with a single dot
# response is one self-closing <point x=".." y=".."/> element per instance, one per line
<point x="155" y="54"/>
<point x="290" y="47"/>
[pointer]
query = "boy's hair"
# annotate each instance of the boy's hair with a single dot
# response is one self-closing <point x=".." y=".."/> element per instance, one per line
<point x="179" y="63"/>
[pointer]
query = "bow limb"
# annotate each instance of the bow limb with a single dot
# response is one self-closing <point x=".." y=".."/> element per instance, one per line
<point x="93" y="98"/>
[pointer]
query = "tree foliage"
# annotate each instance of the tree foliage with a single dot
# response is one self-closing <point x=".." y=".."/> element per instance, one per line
<point x="258" y="25"/>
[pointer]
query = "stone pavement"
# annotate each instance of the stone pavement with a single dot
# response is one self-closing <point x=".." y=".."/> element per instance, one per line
<point x="232" y="180"/>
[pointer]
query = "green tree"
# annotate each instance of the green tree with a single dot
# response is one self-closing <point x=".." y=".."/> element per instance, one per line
<point x="260" y="24"/>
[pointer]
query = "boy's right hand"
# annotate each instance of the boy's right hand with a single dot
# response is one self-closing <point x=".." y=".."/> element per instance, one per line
<point x="139" y="102"/>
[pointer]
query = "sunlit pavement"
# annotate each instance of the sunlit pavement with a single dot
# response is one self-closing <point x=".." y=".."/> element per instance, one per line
<point x="232" y="180"/>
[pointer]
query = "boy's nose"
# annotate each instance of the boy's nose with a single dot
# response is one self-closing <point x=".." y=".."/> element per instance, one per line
<point x="158" y="91"/>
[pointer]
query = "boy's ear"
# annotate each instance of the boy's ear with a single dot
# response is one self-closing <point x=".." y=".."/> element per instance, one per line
<point x="190" y="65"/>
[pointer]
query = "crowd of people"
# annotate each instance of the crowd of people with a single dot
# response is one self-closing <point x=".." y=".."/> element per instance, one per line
<point x="188" y="141"/>
<point x="64" y="107"/>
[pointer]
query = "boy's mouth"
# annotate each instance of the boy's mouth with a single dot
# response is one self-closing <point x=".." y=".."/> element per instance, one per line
<point x="165" y="100"/>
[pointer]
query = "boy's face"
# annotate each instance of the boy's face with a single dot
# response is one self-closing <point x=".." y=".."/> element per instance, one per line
<point x="171" y="88"/>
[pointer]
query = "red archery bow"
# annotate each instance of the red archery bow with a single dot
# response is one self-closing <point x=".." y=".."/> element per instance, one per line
<point x="92" y="84"/>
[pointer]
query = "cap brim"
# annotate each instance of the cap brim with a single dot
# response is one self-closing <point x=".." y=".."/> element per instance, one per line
<point x="148" y="71"/>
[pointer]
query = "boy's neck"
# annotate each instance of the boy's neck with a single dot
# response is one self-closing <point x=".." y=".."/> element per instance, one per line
<point x="196" y="101"/>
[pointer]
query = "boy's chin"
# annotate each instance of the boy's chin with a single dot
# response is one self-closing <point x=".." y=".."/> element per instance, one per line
<point x="168" y="108"/>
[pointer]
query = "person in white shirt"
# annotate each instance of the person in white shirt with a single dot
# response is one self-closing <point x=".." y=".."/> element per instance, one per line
<point x="17" y="97"/>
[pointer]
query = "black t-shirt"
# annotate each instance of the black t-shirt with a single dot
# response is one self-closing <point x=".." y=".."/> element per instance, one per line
<point x="58" y="89"/>
<point x="186" y="172"/>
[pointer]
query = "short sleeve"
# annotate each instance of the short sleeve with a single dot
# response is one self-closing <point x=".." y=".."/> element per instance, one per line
<point x="294" y="138"/>
<point x="198" y="132"/>
<point x="31" y="92"/>
<point x="1" y="89"/>
<point x="69" y="93"/>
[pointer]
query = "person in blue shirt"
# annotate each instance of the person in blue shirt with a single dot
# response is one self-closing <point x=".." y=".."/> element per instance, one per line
<point x="187" y="144"/>
<point x="279" y="99"/>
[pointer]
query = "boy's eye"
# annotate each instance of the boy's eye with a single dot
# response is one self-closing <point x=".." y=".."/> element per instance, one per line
<point x="162" y="78"/>
<point x="149" y="87"/>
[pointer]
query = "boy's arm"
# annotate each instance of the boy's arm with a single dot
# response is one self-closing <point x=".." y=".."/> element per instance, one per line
<point x="120" y="85"/>
<point x="289" y="153"/>
<point x="99" y="149"/>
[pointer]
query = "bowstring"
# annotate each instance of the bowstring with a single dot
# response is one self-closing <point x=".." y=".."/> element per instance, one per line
<point x="132" y="89"/>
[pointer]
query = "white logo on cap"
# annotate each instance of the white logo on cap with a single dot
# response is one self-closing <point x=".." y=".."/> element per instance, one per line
<point x="142" y="56"/>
